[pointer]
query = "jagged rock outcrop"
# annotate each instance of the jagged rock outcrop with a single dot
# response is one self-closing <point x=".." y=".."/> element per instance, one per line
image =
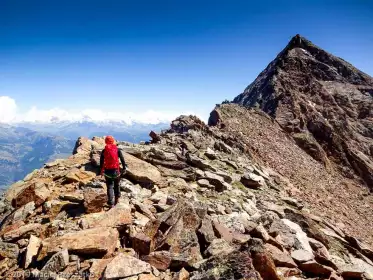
<point x="324" y="102"/>
<point x="216" y="212"/>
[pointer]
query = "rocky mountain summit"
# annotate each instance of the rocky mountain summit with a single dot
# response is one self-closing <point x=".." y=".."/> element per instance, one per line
<point x="203" y="202"/>
<point x="325" y="103"/>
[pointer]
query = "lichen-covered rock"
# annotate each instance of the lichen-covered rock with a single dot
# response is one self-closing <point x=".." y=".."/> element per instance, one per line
<point x="237" y="265"/>
<point x="55" y="264"/>
<point x="8" y="250"/>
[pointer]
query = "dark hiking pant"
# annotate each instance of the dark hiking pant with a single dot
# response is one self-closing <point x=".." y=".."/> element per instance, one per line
<point x="112" y="184"/>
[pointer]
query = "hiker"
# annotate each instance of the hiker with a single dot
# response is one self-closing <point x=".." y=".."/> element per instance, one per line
<point x="109" y="165"/>
<point x="183" y="147"/>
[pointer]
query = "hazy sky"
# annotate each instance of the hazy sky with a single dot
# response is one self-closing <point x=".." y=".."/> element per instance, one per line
<point x="169" y="57"/>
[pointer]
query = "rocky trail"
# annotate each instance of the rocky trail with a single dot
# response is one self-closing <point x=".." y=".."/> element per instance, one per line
<point x="217" y="210"/>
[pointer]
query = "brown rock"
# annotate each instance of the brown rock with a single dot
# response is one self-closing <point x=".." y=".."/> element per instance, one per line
<point x="319" y="248"/>
<point x="94" y="200"/>
<point x="79" y="176"/>
<point x="95" y="242"/>
<point x="10" y="227"/>
<point x="118" y="217"/>
<point x="31" y="250"/>
<point x="144" y="209"/>
<point x="288" y="272"/>
<point x="123" y="266"/>
<point x="315" y="268"/>
<point x="275" y="242"/>
<point x="141" y="243"/>
<point x="279" y="257"/>
<point x="148" y="277"/>
<point x="264" y="264"/>
<point x="206" y="232"/>
<point x="161" y="260"/>
<point x="260" y="232"/>
<point x="142" y="172"/>
<point x="22" y="232"/>
<point x="181" y="275"/>
<point x="222" y="231"/>
<point x="37" y="192"/>
<point x="97" y="268"/>
<point x="72" y="197"/>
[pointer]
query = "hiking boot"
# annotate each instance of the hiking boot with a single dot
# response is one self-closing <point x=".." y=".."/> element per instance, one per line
<point x="117" y="200"/>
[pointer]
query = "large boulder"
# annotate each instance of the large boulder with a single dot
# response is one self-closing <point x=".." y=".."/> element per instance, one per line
<point x="142" y="172"/>
<point x="22" y="232"/>
<point x="94" y="200"/>
<point x="37" y="192"/>
<point x="79" y="176"/>
<point x="118" y="216"/>
<point x="281" y="258"/>
<point x="161" y="260"/>
<point x="94" y="242"/>
<point x="176" y="229"/>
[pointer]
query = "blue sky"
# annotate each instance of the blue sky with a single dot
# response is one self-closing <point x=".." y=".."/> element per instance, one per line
<point x="179" y="56"/>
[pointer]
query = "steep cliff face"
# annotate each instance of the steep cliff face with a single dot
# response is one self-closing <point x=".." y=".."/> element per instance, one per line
<point x="324" y="102"/>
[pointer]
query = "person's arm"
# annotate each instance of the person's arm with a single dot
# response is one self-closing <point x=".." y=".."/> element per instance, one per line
<point x="120" y="155"/>
<point x="102" y="159"/>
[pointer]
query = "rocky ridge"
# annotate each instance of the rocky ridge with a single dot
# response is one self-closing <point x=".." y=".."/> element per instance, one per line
<point x="198" y="204"/>
<point x="323" y="102"/>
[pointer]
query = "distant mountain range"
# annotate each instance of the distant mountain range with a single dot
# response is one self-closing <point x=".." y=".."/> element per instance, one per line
<point x="27" y="146"/>
<point x="134" y="132"/>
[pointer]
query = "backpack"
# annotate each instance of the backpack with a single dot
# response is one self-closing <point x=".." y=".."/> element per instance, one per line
<point x="111" y="160"/>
